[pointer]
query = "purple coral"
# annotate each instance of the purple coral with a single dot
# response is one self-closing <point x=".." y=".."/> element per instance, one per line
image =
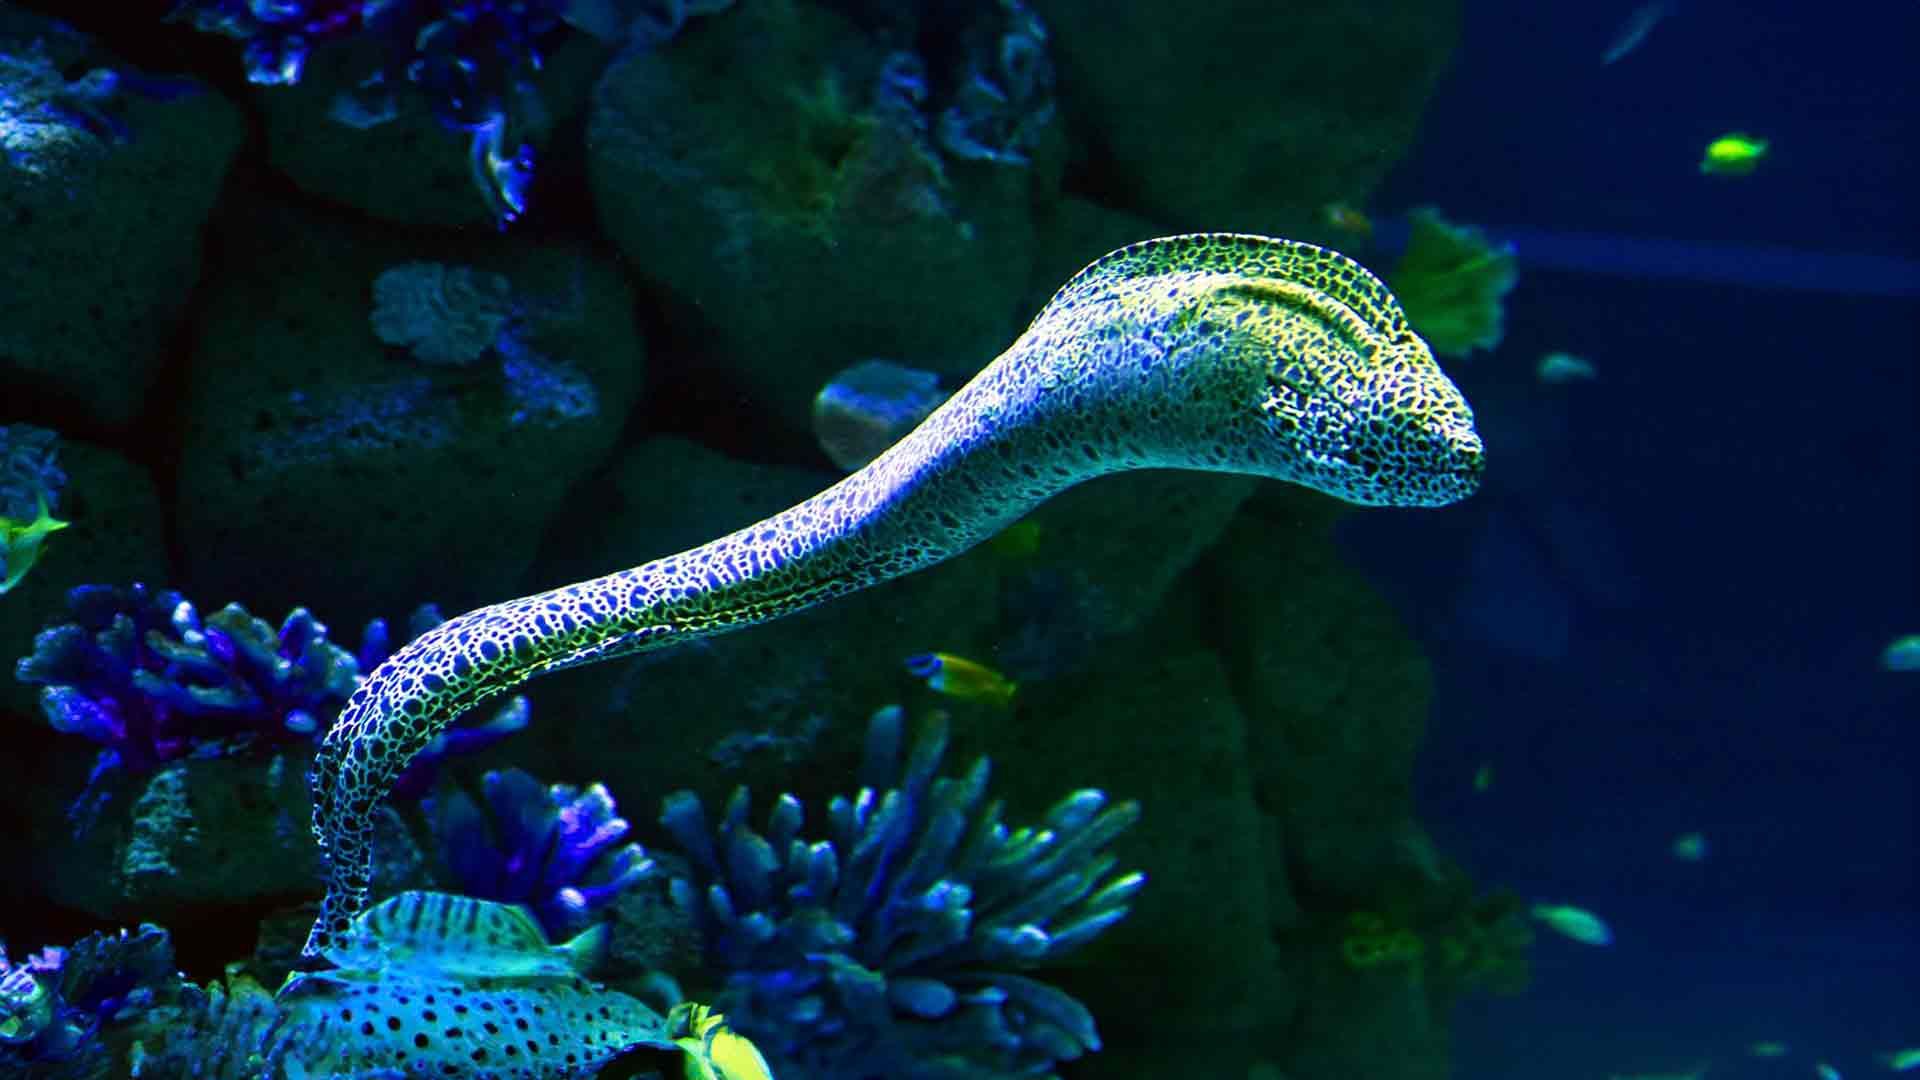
<point x="557" y="849"/>
<point x="53" y="1003"/>
<point x="29" y="471"/>
<point x="1006" y="96"/>
<point x="141" y="673"/>
<point x="467" y="59"/>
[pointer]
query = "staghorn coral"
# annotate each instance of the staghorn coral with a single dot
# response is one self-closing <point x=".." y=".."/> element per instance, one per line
<point x="141" y="673"/>
<point x="555" y="849"/>
<point x="889" y="948"/>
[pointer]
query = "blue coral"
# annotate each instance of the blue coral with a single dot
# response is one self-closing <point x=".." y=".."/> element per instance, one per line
<point x="1005" y="98"/>
<point x="54" y="1003"/>
<point x="30" y="471"/>
<point x="467" y="59"/>
<point x="558" y="850"/>
<point x="889" y="949"/>
<point x="138" y="671"/>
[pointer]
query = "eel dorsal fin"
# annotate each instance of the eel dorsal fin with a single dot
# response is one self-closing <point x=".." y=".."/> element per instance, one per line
<point x="1321" y="269"/>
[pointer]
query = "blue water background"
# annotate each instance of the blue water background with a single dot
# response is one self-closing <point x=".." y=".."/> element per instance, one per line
<point x="1664" y="613"/>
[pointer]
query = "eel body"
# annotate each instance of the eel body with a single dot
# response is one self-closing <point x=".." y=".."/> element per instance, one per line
<point x="1218" y="352"/>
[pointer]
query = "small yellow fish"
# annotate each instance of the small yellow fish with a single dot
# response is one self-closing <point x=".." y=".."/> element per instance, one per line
<point x="20" y="544"/>
<point x="959" y="677"/>
<point x="1577" y="923"/>
<point x="1345" y="218"/>
<point x="714" y="1050"/>
<point x="1733" y="154"/>
<point x="1019" y="540"/>
<point x="1901" y="654"/>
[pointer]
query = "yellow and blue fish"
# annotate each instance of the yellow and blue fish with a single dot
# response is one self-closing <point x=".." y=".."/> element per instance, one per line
<point x="714" y="1050"/>
<point x="959" y="677"/>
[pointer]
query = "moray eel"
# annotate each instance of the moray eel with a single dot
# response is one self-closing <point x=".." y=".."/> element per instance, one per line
<point x="1219" y="352"/>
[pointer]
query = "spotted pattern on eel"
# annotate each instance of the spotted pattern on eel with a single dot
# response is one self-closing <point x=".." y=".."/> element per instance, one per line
<point x="1219" y="352"/>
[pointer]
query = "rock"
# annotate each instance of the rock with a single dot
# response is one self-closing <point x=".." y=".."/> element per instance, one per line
<point x="193" y="836"/>
<point x="108" y="179"/>
<point x="1253" y="115"/>
<point x="386" y="482"/>
<point x="1336" y="695"/>
<point x="194" y="833"/>
<point x="797" y="223"/>
<point x="1157" y="722"/>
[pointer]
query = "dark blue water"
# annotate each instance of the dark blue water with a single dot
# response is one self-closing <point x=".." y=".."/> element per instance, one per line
<point x="1664" y="613"/>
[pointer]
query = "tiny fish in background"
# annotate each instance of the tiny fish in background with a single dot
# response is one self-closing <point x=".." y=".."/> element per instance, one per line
<point x="1767" y="1049"/>
<point x="1344" y="218"/>
<point x="868" y="407"/>
<point x="1733" y="154"/>
<point x="1902" y="1060"/>
<point x="1825" y="1071"/>
<point x="958" y="677"/>
<point x="1561" y="367"/>
<point x="1635" y="30"/>
<point x="1483" y="778"/>
<point x="1577" y="923"/>
<point x="1690" y="847"/>
<point x="714" y="1050"/>
<point x="1020" y="540"/>
<point x="1901" y="654"/>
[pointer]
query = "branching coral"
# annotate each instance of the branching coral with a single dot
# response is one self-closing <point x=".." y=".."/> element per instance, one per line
<point x="557" y="849"/>
<point x="469" y="60"/>
<point x="54" y="1003"/>
<point x="1006" y="96"/>
<point x="141" y="673"/>
<point x="889" y="948"/>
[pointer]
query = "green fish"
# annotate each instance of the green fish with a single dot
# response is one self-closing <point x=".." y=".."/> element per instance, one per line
<point x="462" y="987"/>
<point x="459" y="936"/>
<point x="21" y="543"/>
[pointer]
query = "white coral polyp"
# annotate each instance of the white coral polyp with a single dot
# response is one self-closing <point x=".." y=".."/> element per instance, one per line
<point x="447" y="315"/>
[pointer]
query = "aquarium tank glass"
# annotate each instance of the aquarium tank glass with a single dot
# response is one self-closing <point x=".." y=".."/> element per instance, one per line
<point x="961" y="540"/>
